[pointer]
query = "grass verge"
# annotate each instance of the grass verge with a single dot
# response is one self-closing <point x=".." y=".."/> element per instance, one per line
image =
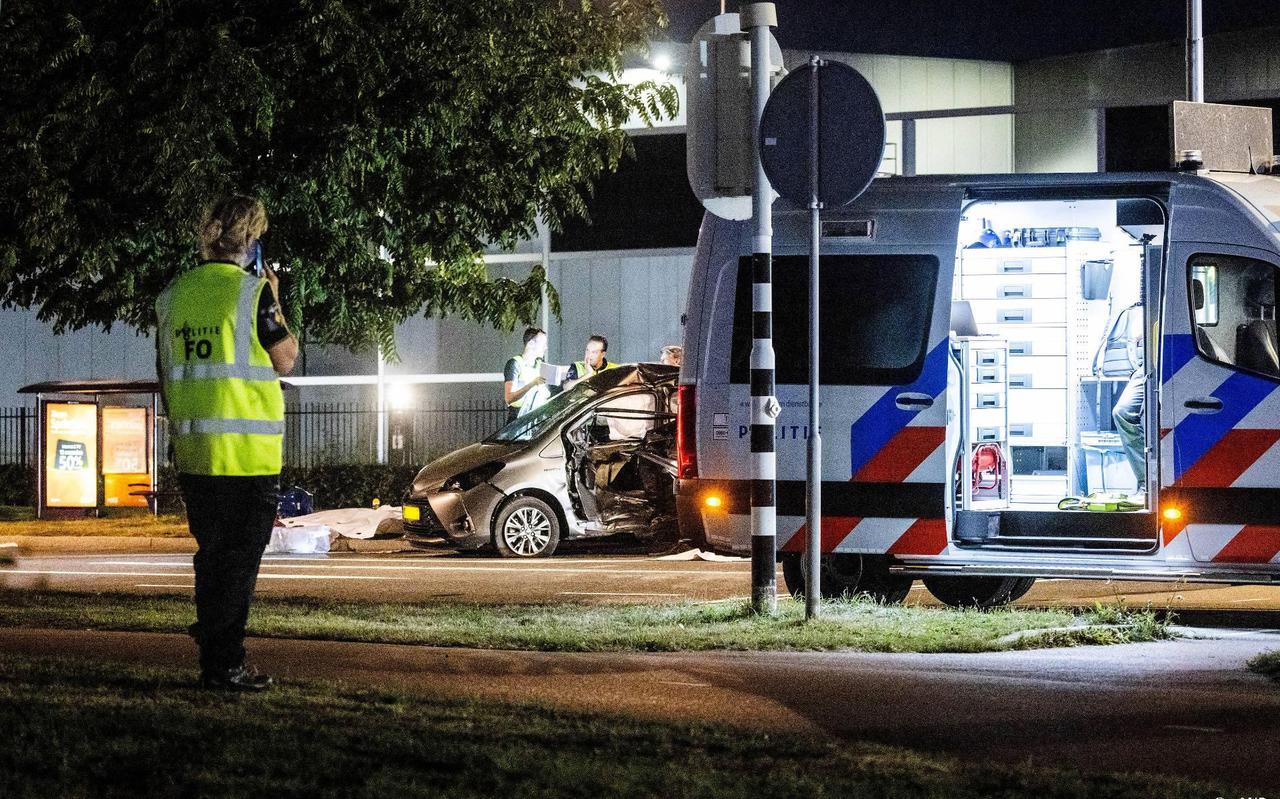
<point x="1266" y="664"/>
<point x="855" y="624"/>
<point x="21" y="521"/>
<point x="78" y="729"/>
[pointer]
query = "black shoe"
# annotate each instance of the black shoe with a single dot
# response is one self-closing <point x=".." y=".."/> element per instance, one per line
<point x="240" y="678"/>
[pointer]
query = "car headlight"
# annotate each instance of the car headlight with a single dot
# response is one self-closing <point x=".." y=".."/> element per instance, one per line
<point x="474" y="477"/>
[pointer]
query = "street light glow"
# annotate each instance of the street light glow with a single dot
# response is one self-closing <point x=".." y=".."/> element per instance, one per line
<point x="662" y="62"/>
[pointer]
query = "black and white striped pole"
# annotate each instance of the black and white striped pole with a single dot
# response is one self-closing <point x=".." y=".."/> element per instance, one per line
<point x="757" y="19"/>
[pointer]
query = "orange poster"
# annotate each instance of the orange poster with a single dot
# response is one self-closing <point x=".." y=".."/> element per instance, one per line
<point x="71" y="455"/>
<point x="124" y="457"/>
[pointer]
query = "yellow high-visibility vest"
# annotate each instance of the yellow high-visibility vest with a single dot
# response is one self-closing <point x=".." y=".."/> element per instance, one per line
<point x="225" y="406"/>
<point x="526" y="373"/>
<point x="580" y="368"/>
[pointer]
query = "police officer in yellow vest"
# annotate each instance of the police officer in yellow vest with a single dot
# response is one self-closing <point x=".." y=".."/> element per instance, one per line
<point x="522" y="375"/>
<point x="221" y="346"/>
<point x="594" y="361"/>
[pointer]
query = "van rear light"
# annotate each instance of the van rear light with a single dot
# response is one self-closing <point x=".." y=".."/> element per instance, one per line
<point x="686" y="427"/>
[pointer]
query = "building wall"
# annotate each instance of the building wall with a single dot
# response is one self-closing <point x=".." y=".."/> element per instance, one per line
<point x="958" y="145"/>
<point x="1057" y="99"/>
<point x="906" y="84"/>
<point x="31" y="353"/>
<point x="634" y="299"/>
<point x="945" y="145"/>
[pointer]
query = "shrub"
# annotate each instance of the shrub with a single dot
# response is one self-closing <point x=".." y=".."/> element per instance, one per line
<point x="334" y="486"/>
<point x="17" y="485"/>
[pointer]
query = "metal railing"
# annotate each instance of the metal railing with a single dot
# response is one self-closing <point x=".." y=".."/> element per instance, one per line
<point x="17" y="436"/>
<point x="327" y="433"/>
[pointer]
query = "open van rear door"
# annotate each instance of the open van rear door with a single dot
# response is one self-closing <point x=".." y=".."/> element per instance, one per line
<point x="886" y="274"/>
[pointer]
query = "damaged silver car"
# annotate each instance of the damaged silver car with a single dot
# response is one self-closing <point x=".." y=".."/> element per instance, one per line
<point x="596" y="460"/>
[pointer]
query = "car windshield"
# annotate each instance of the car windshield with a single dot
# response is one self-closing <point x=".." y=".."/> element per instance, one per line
<point x="541" y="419"/>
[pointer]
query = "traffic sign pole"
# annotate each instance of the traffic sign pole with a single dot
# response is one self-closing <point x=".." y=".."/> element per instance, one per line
<point x="757" y="19"/>
<point x="813" y="494"/>
<point x="821" y="140"/>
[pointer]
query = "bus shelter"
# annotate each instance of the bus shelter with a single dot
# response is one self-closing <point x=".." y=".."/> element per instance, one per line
<point x="97" y="444"/>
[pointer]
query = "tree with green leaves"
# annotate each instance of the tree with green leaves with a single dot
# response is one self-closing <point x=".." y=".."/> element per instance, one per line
<point x="391" y="140"/>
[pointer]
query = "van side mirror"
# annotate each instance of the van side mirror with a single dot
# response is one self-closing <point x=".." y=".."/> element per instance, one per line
<point x="1197" y="294"/>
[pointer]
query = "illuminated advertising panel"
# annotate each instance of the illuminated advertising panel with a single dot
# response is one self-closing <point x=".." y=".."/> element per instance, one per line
<point x="71" y="455"/>
<point x="124" y="457"/>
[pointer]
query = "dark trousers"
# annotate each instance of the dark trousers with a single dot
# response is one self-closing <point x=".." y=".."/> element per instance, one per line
<point x="231" y="520"/>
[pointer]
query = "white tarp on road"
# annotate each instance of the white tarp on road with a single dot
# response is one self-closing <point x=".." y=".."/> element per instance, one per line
<point x="312" y="534"/>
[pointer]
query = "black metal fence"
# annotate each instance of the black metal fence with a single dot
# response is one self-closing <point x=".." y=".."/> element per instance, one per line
<point x="17" y="436"/>
<point x="327" y="433"/>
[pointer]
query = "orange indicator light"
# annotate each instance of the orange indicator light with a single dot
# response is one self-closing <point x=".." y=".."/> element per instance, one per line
<point x="713" y="501"/>
<point x="1172" y="514"/>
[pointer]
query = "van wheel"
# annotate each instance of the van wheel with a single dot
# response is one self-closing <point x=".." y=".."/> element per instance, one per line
<point x="526" y="527"/>
<point x="1021" y="588"/>
<point x="846" y="575"/>
<point x="975" y="592"/>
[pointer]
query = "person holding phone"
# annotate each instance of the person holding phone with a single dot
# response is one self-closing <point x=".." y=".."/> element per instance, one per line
<point x="221" y="347"/>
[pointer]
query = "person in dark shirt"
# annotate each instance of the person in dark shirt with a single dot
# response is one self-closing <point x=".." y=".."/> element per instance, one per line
<point x="522" y="375"/>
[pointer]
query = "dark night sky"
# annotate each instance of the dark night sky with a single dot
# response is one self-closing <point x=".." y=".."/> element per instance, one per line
<point x="1001" y="30"/>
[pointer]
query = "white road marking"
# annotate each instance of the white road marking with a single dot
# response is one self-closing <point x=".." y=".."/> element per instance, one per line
<point x="687" y="684"/>
<point x="163" y="585"/>
<point x="1189" y="728"/>
<point x="610" y="593"/>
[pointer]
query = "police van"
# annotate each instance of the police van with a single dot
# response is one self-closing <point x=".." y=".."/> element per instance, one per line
<point x="1023" y="376"/>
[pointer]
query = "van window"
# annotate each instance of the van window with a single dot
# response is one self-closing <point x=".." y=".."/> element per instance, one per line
<point x="1233" y="306"/>
<point x="875" y="316"/>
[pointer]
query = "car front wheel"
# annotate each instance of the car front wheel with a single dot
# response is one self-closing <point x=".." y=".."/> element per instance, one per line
<point x="526" y="527"/>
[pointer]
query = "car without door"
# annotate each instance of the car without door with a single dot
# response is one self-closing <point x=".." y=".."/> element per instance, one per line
<point x="596" y="460"/>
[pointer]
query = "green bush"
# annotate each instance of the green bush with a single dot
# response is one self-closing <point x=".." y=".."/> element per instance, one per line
<point x="17" y="485"/>
<point x="350" y="485"/>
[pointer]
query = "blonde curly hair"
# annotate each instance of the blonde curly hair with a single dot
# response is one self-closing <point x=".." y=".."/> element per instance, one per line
<point x="230" y="225"/>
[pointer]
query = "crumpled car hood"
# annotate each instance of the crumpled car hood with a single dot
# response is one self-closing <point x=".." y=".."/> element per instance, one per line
<point x="434" y="475"/>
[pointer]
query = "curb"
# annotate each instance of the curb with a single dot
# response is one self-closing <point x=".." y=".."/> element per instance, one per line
<point x="89" y="545"/>
<point x="20" y="545"/>
<point x="1021" y="635"/>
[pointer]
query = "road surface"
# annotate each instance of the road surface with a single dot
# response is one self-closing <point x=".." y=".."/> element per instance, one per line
<point x="584" y="576"/>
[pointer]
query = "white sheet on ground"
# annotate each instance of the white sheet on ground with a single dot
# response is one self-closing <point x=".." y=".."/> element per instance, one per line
<point x="307" y="540"/>
<point x="349" y="522"/>
<point x="698" y="554"/>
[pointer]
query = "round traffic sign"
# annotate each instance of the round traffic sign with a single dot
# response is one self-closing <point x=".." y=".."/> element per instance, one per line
<point x="850" y="134"/>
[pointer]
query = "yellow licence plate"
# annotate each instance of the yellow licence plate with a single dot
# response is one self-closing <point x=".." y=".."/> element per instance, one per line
<point x="412" y="513"/>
